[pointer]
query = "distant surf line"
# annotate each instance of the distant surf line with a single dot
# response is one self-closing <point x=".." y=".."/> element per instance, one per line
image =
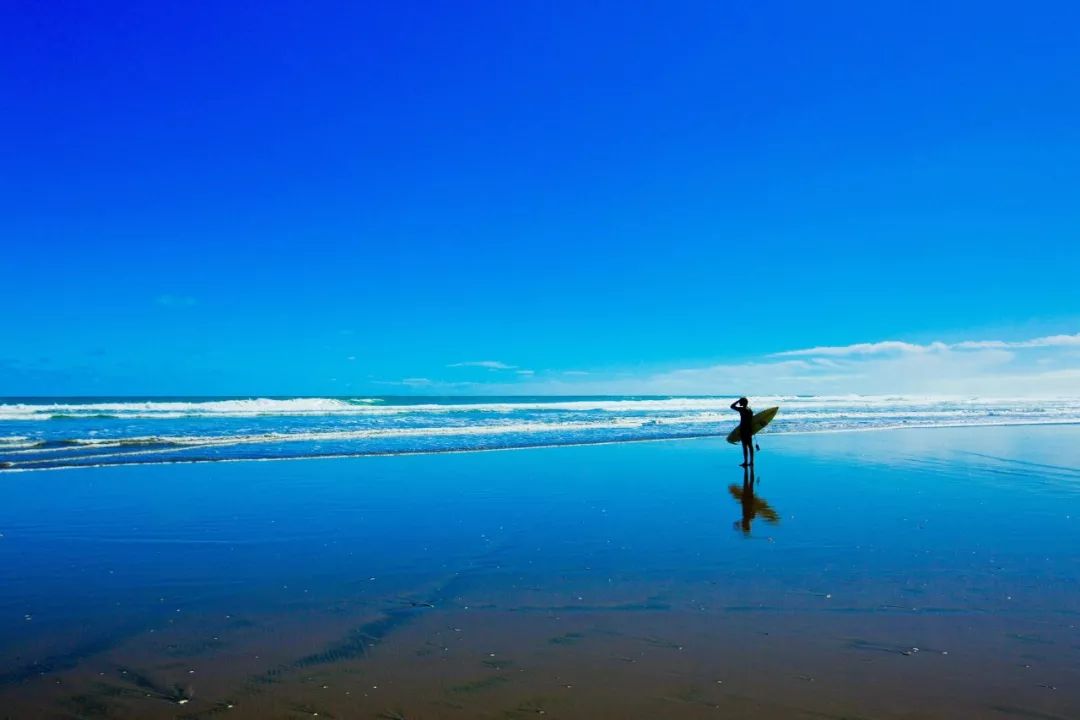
<point x="252" y="407"/>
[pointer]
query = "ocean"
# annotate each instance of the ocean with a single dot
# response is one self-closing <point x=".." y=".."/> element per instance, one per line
<point x="52" y="433"/>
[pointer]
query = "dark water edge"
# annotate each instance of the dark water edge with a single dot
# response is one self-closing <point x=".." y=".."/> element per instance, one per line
<point x="919" y="573"/>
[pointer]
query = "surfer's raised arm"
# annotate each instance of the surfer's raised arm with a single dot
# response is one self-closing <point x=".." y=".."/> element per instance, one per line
<point x="734" y="405"/>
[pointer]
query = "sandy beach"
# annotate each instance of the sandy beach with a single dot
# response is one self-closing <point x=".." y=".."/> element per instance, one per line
<point x="896" y="574"/>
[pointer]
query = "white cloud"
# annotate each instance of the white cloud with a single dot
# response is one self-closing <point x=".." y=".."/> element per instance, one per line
<point x="1041" y="342"/>
<point x="897" y="346"/>
<point x="428" y="385"/>
<point x="1041" y="366"/>
<point x="489" y="364"/>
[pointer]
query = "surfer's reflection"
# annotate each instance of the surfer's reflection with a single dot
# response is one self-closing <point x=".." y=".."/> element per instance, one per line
<point x="752" y="505"/>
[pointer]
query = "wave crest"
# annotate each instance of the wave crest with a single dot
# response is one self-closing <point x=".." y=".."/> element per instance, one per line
<point x="325" y="406"/>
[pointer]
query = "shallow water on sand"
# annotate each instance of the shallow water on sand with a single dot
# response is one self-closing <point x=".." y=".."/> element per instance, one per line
<point x="898" y="574"/>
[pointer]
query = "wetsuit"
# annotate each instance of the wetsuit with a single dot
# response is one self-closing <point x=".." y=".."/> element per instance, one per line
<point x="746" y="424"/>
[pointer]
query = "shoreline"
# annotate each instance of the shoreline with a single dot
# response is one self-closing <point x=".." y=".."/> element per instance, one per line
<point x="538" y="446"/>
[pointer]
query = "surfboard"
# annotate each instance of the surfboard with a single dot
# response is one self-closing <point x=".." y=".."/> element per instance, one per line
<point x="761" y="419"/>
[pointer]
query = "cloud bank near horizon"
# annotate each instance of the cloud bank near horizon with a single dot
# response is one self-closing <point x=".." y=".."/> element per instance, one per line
<point x="897" y="346"/>
<point x="1035" y="367"/>
<point x="486" y="364"/>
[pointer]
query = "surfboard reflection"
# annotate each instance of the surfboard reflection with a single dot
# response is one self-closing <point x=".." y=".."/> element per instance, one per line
<point x="752" y="505"/>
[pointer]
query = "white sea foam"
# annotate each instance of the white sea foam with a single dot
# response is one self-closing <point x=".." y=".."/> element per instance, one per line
<point x="15" y="442"/>
<point x="118" y="458"/>
<point x="254" y="406"/>
<point x="679" y="426"/>
<point x="173" y="442"/>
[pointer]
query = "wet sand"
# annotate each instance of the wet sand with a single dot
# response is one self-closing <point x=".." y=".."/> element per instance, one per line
<point x="905" y="574"/>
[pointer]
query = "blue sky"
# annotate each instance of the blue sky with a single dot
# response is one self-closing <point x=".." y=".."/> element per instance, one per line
<point x="280" y="198"/>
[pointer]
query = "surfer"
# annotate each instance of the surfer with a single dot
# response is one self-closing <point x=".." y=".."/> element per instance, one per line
<point x="746" y="429"/>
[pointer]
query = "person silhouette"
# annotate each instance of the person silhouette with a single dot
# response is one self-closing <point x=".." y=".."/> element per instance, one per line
<point x="746" y="429"/>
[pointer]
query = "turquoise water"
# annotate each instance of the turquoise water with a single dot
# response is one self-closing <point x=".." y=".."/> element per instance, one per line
<point x="908" y="573"/>
<point x="48" y="433"/>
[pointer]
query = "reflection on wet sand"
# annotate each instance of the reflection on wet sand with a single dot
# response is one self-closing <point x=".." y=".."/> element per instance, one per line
<point x="752" y="505"/>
